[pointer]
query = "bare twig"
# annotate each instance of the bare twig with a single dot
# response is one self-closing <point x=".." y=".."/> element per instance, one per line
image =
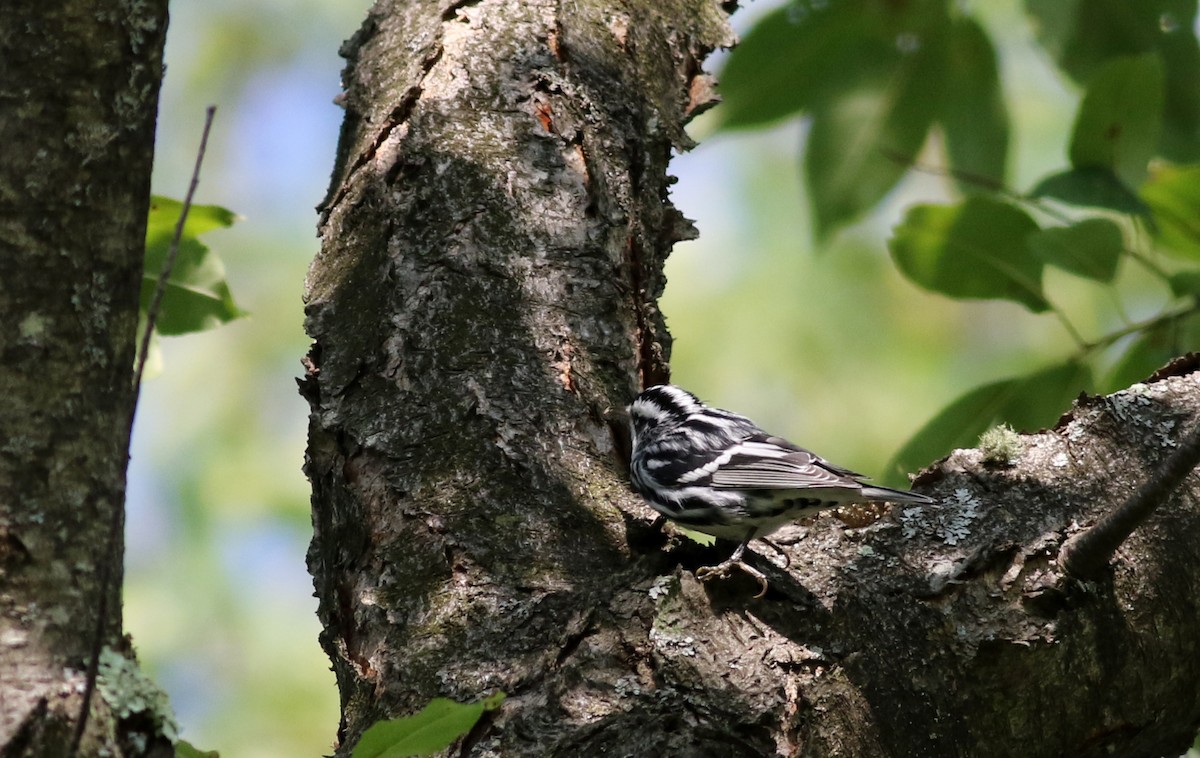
<point x="1162" y="319"/>
<point x="114" y="529"/>
<point x="1087" y="553"/>
<point x="164" y="276"/>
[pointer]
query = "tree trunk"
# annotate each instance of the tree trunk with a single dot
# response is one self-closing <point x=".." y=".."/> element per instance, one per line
<point x="79" y="84"/>
<point x="493" y="242"/>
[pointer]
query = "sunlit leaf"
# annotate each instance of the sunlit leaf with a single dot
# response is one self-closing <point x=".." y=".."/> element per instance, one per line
<point x="1090" y="248"/>
<point x="973" y="115"/>
<point x="197" y="296"/>
<point x="1120" y="118"/>
<point x="1091" y="188"/>
<point x="1026" y="403"/>
<point x="1173" y="194"/>
<point x="976" y="249"/>
<point x="164" y="215"/>
<point x="694" y="536"/>
<point x="428" y="731"/>
<point x="184" y="749"/>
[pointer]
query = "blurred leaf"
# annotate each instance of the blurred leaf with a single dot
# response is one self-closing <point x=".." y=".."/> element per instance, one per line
<point x="1091" y="188"/>
<point x="796" y="56"/>
<point x="699" y="537"/>
<point x="184" y="749"/>
<point x="1145" y="354"/>
<point x="197" y="295"/>
<point x="1082" y="35"/>
<point x="1185" y="283"/>
<point x="976" y="249"/>
<point x="1090" y="248"/>
<point x="432" y="729"/>
<point x="1173" y="194"/>
<point x="1181" y="57"/>
<point x="1026" y="403"/>
<point x="1119" y="121"/>
<point x="164" y="215"/>
<point x="973" y="115"/>
<point x="862" y="142"/>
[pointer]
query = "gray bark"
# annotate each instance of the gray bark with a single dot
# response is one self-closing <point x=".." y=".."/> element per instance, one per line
<point x="79" y="91"/>
<point x="492" y="248"/>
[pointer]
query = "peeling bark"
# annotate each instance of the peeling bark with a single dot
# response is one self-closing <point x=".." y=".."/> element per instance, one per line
<point x="492" y="250"/>
<point x="79" y="85"/>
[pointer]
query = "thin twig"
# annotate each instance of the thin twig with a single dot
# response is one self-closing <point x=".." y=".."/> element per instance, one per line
<point x="1087" y="553"/>
<point x="1149" y="324"/>
<point x="110" y="555"/>
<point x="164" y="276"/>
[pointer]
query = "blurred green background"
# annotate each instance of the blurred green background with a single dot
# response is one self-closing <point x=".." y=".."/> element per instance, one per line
<point x="831" y="348"/>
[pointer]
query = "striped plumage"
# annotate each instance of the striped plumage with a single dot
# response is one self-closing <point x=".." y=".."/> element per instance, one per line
<point x="718" y="473"/>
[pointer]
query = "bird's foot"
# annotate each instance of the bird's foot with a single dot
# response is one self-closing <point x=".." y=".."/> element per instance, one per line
<point x="787" y="559"/>
<point x="721" y="571"/>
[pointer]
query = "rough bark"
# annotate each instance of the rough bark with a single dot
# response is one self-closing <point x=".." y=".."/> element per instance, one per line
<point x="79" y="91"/>
<point x="492" y="249"/>
<point x="493" y="242"/>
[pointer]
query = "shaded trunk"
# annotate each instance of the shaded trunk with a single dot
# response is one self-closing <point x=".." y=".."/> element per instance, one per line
<point x="493" y="242"/>
<point x="79" y="84"/>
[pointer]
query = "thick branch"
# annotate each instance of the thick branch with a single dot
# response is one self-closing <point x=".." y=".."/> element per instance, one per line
<point x="79" y="86"/>
<point x="492" y="251"/>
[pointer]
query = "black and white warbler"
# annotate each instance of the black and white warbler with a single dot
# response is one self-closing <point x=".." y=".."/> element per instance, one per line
<point x="716" y="472"/>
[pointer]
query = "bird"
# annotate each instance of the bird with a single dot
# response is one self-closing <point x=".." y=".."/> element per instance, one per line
<point x="717" y="472"/>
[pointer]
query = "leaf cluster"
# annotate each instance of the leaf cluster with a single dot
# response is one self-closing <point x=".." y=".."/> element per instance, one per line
<point x="880" y="83"/>
<point x="197" y="295"/>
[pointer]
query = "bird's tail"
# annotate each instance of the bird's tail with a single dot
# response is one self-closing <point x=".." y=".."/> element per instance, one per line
<point x="896" y="496"/>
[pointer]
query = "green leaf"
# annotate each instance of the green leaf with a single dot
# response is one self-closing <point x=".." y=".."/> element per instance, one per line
<point x="1173" y="195"/>
<point x="1026" y="403"/>
<point x="1082" y="35"/>
<point x="795" y="57"/>
<point x="1120" y="118"/>
<point x="973" y="116"/>
<point x="1091" y="188"/>
<point x="976" y="249"/>
<point x="1185" y="284"/>
<point x="1146" y="354"/>
<point x="197" y="295"/>
<point x="1090" y="248"/>
<point x="699" y="537"/>
<point x="1180" y="51"/>
<point x="184" y="749"/>
<point x="862" y="142"/>
<point x="164" y="215"/>
<point x="434" y="728"/>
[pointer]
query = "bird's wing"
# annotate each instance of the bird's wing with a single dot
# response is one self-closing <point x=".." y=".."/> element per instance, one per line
<point x="764" y="462"/>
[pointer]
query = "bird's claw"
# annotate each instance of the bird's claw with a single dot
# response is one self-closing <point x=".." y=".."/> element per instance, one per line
<point x="721" y="571"/>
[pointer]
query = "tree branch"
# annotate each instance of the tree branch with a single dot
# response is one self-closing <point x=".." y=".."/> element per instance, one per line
<point x="113" y="542"/>
<point x="1087" y="553"/>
